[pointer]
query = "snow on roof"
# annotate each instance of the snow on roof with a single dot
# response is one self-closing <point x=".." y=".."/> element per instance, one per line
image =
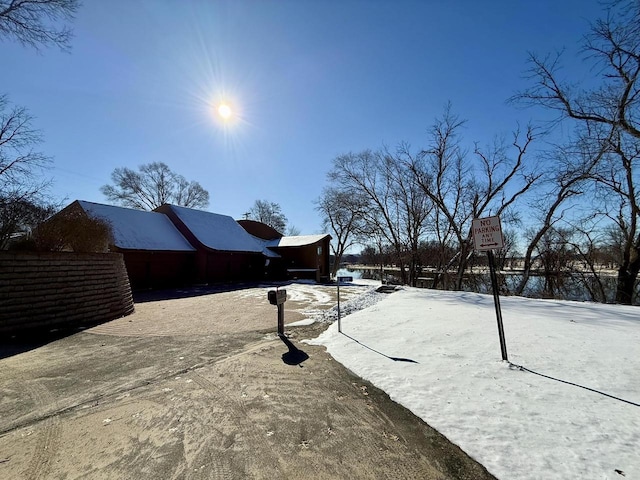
<point x="296" y="241"/>
<point x="218" y="232"/>
<point x="265" y="247"/>
<point x="138" y="229"/>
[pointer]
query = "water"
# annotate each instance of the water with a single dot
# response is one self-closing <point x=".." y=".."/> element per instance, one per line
<point x="577" y="287"/>
<point x="344" y="272"/>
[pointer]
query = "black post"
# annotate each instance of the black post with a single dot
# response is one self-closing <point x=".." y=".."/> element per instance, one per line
<point x="281" y="319"/>
<point x="496" y="301"/>
<point x="339" y="325"/>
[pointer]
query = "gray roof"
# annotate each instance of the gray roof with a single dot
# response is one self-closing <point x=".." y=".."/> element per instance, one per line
<point x="138" y="229"/>
<point x="215" y="231"/>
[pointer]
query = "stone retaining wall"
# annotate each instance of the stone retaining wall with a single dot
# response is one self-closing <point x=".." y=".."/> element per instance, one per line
<point x="44" y="291"/>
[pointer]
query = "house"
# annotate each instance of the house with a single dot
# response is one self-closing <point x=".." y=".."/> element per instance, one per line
<point x="301" y="256"/>
<point x="224" y="250"/>
<point x="155" y="253"/>
<point x="175" y="245"/>
<point x="304" y="256"/>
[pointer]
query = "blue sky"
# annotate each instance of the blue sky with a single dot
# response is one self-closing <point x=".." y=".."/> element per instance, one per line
<point x="309" y="80"/>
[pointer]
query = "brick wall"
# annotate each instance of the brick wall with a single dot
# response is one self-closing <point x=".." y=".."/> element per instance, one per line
<point x="42" y="291"/>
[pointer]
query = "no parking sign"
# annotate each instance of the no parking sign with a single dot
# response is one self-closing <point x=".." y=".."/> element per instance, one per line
<point x="487" y="236"/>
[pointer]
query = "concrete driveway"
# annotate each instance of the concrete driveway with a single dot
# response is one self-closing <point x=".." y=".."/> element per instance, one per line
<point x="196" y="385"/>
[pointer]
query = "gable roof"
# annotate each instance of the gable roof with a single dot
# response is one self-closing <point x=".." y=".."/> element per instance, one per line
<point x="215" y="231"/>
<point x="138" y="229"/>
<point x="265" y="247"/>
<point x="259" y="230"/>
<point x="296" y="241"/>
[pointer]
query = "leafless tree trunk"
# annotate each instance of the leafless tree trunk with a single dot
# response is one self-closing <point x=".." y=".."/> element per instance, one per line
<point x="617" y="175"/>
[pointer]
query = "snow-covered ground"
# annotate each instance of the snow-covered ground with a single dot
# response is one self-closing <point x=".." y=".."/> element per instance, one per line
<point x="318" y="300"/>
<point x="565" y="406"/>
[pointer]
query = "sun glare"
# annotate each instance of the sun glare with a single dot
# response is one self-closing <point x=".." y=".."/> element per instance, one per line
<point x="224" y="111"/>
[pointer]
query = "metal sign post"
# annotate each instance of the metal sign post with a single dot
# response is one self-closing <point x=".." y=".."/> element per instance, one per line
<point x="496" y="302"/>
<point x="341" y="279"/>
<point x="487" y="235"/>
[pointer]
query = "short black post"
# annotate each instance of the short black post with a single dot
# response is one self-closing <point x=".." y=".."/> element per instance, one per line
<point x="496" y="301"/>
<point x="338" y="280"/>
<point x="339" y="324"/>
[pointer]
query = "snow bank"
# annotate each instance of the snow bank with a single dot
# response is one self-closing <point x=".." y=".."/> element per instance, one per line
<point x="518" y="424"/>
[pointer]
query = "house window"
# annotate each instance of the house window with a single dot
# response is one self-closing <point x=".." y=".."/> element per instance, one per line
<point x="320" y="250"/>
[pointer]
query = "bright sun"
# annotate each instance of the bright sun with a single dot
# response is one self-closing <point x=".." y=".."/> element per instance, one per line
<point x="224" y="111"/>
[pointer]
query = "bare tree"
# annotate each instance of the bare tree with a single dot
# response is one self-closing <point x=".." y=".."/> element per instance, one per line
<point x="506" y="255"/>
<point x="589" y="261"/>
<point x="413" y="207"/>
<point x="613" y="47"/>
<point x="22" y="182"/>
<point x="569" y="175"/>
<point x="269" y="213"/>
<point x="444" y="248"/>
<point x="462" y="190"/>
<point x="617" y="174"/>
<point x="342" y="214"/>
<point x="441" y="171"/>
<point x="154" y="185"/>
<point x="293" y="231"/>
<point x="555" y="256"/>
<point x="33" y="22"/>
<point x="370" y="175"/>
<point x="19" y="218"/>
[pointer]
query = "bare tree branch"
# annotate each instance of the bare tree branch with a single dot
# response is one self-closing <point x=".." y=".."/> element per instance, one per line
<point x="154" y="185"/>
<point x="614" y="45"/>
<point x="34" y="22"/>
<point x="269" y="213"/>
<point x="22" y="180"/>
